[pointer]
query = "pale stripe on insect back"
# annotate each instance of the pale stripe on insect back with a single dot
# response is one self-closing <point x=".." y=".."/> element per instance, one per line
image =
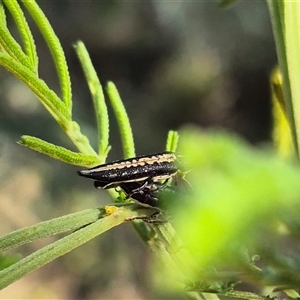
<point x="136" y="162"/>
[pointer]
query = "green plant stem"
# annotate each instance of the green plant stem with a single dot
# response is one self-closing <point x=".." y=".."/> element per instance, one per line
<point x="176" y="250"/>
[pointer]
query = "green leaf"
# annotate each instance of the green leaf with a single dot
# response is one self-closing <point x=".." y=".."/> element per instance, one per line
<point x="172" y="141"/>
<point x="50" y="100"/>
<point x="58" y="152"/>
<point x="122" y="119"/>
<point x="292" y="43"/>
<point x="238" y="194"/>
<point x="9" y="44"/>
<point x="2" y="15"/>
<point x="24" y="31"/>
<point x="49" y="228"/>
<point x="67" y="243"/>
<point x="285" y="22"/>
<point x="55" y="49"/>
<point x="8" y="260"/>
<point x="98" y="99"/>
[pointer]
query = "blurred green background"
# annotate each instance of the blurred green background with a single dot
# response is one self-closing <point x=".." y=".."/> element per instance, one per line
<point x="174" y="63"/>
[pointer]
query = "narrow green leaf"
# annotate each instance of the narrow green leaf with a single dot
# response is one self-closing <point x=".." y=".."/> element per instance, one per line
<point x="58" y="152"/>
<point x="8" y="260"/>
<point x="9" y="44"/>
<point x="292" y="43"/>
<point x="49" y="228"/>
<point x="2" y="15"/>
<point x="122" y="119"/>
<point x="172" y="141"/>
<point x="276" y="9"/>
<point x="55" y="49"/>
<point x="98" y="99"/>
<point x="50" y="100"/>
<point x="68" y="243"/>
<point x="24" y="31"/>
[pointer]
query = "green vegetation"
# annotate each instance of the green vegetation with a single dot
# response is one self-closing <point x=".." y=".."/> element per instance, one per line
<point x="244" y="202"/>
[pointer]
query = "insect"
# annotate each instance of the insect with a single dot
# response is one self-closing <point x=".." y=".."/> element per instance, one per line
<point x="139" y="177"/>
<point x="147" y="194"/>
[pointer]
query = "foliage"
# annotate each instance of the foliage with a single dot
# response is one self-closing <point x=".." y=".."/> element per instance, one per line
<point x="285" y="23"/>
<point x="90" y="223"/>
<point x="239" y="195"/>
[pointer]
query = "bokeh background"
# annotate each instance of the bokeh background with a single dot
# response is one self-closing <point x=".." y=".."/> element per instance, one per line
<point x="174" y="63"/>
